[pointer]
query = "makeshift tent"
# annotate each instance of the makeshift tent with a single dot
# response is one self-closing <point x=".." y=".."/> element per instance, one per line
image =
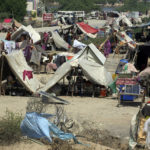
<point x="35" y="36"/>
<point x="17" y="24"/>
<point x="123" y="37"/>
<point x="91" y="61"/>
<point x="88" y="30"/>
<point x="142" y="25"/>
<point x="124" y="19"/>
<point x="59" y="42"/>
<point x="18" y="65"/>
<point x="112" y="13"/>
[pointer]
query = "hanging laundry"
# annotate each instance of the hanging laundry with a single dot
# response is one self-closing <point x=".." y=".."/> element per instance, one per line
<point x="28" y="74"/>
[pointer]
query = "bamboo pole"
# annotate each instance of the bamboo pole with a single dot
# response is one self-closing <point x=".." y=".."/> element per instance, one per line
<point x="1" y="74"/>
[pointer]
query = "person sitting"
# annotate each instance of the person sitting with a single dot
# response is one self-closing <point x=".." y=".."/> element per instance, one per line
<point x="51" y="66"/>
<point x="8" y="36"/>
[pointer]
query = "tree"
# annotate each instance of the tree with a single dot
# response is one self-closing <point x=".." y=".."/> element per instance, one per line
<point x="133" y="5"/>
<point x="75" y="5"/>
<point x="13" y="8"/>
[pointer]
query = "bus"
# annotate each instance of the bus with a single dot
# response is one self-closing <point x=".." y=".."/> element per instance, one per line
<point x="77" y="14"/>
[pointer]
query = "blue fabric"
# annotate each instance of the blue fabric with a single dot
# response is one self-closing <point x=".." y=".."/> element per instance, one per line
<point x="124" y="60"/>
<point x="36" y="126"/>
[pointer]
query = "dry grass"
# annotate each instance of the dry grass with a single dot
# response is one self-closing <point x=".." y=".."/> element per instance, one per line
<point x="10" y="127"/>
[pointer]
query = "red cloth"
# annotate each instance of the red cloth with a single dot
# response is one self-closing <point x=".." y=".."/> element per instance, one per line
<point x="28" y="74"/>
<point x="87" y="28"/>
<point x="7" y="20"/>
<point x="8" y="36"/>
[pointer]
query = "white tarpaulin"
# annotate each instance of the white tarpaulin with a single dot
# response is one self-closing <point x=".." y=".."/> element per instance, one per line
<point x="97" y="54"/>
<point x="59" y="42"/>
<point x="78" y="44"/>
<point x="59" y="74"/>
<point x="18" y="65"/>
<point x="95" y="72"/>
<point x="123" y="37"/>
<point x="35" y="36"/>
<point x="124" y="19"/>
<point x="91" y="61"/>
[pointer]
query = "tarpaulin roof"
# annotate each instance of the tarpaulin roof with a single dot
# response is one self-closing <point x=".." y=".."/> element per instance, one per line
<point x="87" y="28"/>
<point x="124" y="19"/>
<point x="35" y="36"/>
<point x="8" y="20"/>
<point x="58" y="40"/>
<point x="91" y="61"/>
<point x="18" y="64"/>
<point x="123" y="37"/>
<point x="142" y="25"/>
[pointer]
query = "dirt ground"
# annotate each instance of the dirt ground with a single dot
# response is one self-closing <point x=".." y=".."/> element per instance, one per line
<point x="99" y="122"/>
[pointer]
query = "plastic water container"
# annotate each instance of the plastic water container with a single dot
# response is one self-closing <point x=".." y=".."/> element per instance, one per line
<point x="103" y="92"/>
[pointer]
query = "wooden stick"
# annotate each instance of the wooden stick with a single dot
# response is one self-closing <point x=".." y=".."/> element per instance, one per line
<point x="1" y="74"/>
<point x="100" y="47"/>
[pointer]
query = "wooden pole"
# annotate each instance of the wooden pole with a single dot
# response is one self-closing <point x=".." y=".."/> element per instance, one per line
<point x="1" y="74"/>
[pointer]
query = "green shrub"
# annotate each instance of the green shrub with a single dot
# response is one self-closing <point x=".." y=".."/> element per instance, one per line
<point x="96" y="41"/>
<point x="4" y="15"/>
<point x="10" y="127"/>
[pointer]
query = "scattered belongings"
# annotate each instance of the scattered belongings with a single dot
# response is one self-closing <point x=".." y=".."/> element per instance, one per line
<point x="51" y="99"/>
<point x="139" y="128"/>
<point x="38" y="125"/>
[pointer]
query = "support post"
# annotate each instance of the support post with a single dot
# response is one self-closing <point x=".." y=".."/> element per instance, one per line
<point x="1" y="74"/>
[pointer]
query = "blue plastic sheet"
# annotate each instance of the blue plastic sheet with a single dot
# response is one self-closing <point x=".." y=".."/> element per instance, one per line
<point x="36" y="126"/>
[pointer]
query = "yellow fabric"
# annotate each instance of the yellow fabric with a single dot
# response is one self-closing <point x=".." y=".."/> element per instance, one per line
<point x="114" y="76"/>
<point x="141" y="136"/>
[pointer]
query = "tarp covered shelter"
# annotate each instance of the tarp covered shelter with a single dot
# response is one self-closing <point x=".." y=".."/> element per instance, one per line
<point x="59" y="42"/>
<point x="17" y="24"/>
<point x="123" y="37"/>
<point x="35" y="36"/>
<point x="86" y="29"/>
<point x="18" y="64"/>
<point x="91" y="61"/>
<point x="142" y="25"/>
<point x="124" y="19"/>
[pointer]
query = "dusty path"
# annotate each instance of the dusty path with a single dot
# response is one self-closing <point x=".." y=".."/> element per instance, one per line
<point x="99" y="113"/>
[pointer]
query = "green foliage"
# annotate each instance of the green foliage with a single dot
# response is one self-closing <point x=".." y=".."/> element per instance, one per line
<point x="96" y="41"/>
<point x="145" y="20"/>
<point x="77" y="5"/>
<point x="14" y="8"/>
<point x="10" y="127"/>
<point x="4" y="15"/>
<point x="138" y="6"/>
